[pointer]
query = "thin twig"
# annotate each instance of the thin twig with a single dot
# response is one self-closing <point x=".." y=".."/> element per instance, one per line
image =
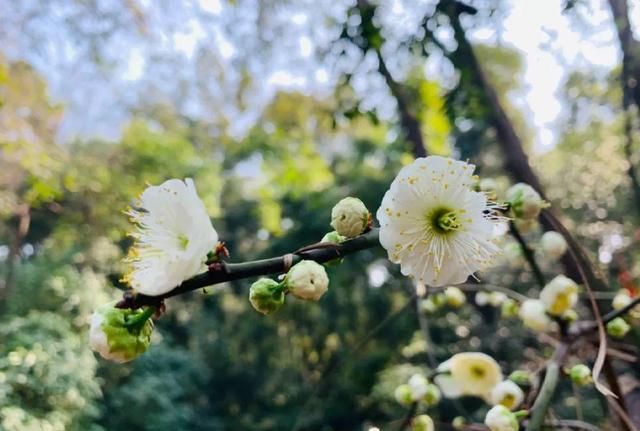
<point x="548" y="388"/>
<point x="223" y="272"/>
<point x="529" y="255"/>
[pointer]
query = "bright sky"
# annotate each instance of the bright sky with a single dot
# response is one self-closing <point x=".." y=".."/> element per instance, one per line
<point x="552" y="43"/>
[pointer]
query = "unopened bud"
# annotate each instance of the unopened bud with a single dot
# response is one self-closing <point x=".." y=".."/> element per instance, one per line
<point x="350" y="217"/>
<point x="266" y="295"/>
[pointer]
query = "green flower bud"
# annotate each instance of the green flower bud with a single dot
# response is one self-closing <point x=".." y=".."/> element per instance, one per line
<point x="404" y="395"/>
<point x="120" y="334"/>
<point x="307" y="280"/>
<point x="618" y="327"/>
<point x="459" y="423"/>
<point x="525" y="201"/>
<point x="580" y="375"/>
<point x="432" y="396"/>
<point x="439" y="300"/>
<point x="570" y="315"/>
<point x="333" y="237"/>
<point x="509" y="308"/>
<point x="454" y="296"/>
<point x="266" y="295"/>
<point x="422" y="423"/>
<point x="350" y="217"/>
<point x="428" y="306"/>
<point x="521" y="377"/>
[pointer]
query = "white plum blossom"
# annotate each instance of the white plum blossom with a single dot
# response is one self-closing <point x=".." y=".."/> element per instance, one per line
<point x="307" y="280"/>
<point x="434" y="225"/>
<point x="468" y="373"/>
<point x="508" y="394"/>
<point x="534" y="315"/>
<point x="553" y="244"/>
<point x="559" y="295"/>
<point x="173" y="239"/>
<point x="622" y="299"/>
<point x="500" y="418"/>
<point x="349" y="217"/>
<point x="422" y="423"/>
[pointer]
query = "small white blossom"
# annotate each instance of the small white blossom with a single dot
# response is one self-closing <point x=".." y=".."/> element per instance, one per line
<point x="559" y="295"/>
<point x="349" y="217"/>
<point x="533" y="314"/>
<point x="307" y="280"/>
<point x="174" y="236"/>
<point x="621" y="300"/>
<point x="508" y="394"/>
<point x="419" y="386"/>
<point x="470" y="373"/>
<point x="553" y="244"/>
<point x="482" y="298"/>
<point x="500" y="418"/>
<point x="525" y="201"/>
<point x="434" y="225"/>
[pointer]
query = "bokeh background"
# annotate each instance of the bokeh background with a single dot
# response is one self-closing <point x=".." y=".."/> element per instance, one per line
<point x="278" y="109"/>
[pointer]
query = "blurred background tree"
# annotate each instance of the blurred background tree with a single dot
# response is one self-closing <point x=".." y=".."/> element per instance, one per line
<point x="213" y="91"/>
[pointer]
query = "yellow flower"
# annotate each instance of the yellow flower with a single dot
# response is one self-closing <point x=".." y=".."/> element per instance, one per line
<point x="476" y="373"/>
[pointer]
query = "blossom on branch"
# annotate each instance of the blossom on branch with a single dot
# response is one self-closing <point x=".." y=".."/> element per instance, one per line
<point x="559" y="295"/>
<point x="173" y="239"/>
<point x="435" y="225"/>
<point x="469" y="373"/>
<point x="508" y="394"/>
<point x="500" y="418"/>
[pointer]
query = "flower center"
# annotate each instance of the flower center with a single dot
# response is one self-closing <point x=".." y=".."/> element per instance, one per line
<point x="477" y="372"/>
<point x="183" y="241"/>
<point x="444" y="220"/>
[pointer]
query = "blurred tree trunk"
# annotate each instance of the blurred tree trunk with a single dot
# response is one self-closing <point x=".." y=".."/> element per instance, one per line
<point x="629" y="80"/>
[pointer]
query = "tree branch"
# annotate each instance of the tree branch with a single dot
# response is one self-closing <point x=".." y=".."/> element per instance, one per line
<point x="223" y="272"/>
<point x="528" y="254"/>
<point x="548" y="388"/>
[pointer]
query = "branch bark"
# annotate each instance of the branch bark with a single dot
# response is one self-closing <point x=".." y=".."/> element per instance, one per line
<point x="222" y="272"/>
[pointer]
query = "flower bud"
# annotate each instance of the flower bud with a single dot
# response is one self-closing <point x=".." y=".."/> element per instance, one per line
<point x="404" y="395"/>
<point x="432" y="396"/>
<point x="508" y="394"/>
<point x="489" y="186"/>
<point x="418" y="384"/>
<point x="422" y="423"/>
<point x="333" y="237"/>
<point x="621" y="300"/>
<point x="509" y="308"/>
<point x="559" y="295"/>
<point x="521" y="377"/>
<point x="307" y="280"/>
<point x="553" y="244"/>
<point x="120" y="334"/>
<point x="459" y="423"/>
<point x="266" y="295"/>
<point x="500" y="418"/>
<point x="570" y="316"/>
<point x="454" y="296"/>
<point x="525" y="201"/>
<point x="496" y="298"/>
<point x="580" y="375"/>
<point x="428" y="306"/>
<point x="350" y="217"/>
<point x="482" y="298"/>
<point x="618" y="327"/>
<point x="534" y="316"/>
<point x="526" y="225"/>
<point x="439" y="300"/>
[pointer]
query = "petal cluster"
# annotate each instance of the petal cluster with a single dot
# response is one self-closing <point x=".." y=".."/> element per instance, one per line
<point x="173" y="238"/>
<point x="435" y="225"/>
<point x="469" y="373"/>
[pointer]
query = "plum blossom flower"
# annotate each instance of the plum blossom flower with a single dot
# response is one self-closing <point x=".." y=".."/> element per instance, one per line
<point x="173" y="239"/>
<point x="435" y="225"/>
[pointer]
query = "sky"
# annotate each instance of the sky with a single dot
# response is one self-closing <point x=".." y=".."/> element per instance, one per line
<point x="551" y="43"/>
